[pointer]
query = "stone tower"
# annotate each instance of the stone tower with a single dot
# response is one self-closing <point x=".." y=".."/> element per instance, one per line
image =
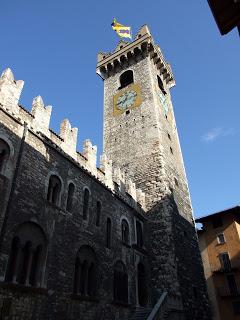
<point x="140" y="136"/>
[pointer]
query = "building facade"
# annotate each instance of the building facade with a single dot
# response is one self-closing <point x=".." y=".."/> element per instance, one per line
<point x="78" y="241"/>
<point x="219" y="242"/>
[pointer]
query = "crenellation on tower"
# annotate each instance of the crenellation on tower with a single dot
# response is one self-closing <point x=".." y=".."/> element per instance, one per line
<point x="69" y="136"/>
<point x="10" y="90"/>
<point x="41" y="114"/>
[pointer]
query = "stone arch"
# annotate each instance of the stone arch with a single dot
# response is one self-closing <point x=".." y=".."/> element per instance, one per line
<point x="54" y="190"/>
<point x="86" y="196"/>
<point x="125" y="230"/>
<point x="27" y="257"/>
<point x="126" y="78"/>
<point x="85" y="272"/>
<point x="71" y="189"/>
<point x="5" y="154"/>
<point x="54" y="173"/>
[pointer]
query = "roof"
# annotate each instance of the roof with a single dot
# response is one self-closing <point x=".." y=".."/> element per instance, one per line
<point x="226" y="14"/>
<point x="225" y="211"/>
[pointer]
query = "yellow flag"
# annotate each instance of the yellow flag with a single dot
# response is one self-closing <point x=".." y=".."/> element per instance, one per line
<point x="122" y="31"/>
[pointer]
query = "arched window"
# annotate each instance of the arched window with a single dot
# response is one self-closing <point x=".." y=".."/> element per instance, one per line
<point x="142" y="285"/>
<point x="54" y="190"/>
<point x="98" y="214"/>
<point x="109" y="233"/>
<point x="27" y="257"/>
<point x="126" y="78"/>
<point x="86" y="196"/>
<point x="161" y="86"/>
<point x="120" y="282"/>
<point x="85" y="276"/>
<point x="125" y="231"/>
<point x="70" y="195"/>
<point x="4" y="154"/>
<point x="139" y="234"/>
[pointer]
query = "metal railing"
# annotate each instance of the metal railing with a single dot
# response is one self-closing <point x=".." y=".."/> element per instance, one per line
<point x="159" y="308"/>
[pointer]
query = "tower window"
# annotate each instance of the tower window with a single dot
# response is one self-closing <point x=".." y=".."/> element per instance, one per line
<point x="171" y="150"/>
<point x="169" y="137"/>
<point x="176" y="182"/>
<point x="125" y="232"/>
<point x="70" y="197"/>
<point x="128" y="111"/>
<point x="109" y="233"/>
<point x="54" y="190"/>
<point x="85" y="203"/>
<point x="161" y="86"/>
<point x="126" y="78"/>
<point x="120" y="282"/>
<point x="98" y="214"/>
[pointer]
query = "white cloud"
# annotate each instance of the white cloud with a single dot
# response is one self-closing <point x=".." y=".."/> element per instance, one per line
<point x="216" y="133"/>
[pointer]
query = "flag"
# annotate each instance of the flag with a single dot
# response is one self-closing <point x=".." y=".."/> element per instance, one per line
<point x="122" y="31"/>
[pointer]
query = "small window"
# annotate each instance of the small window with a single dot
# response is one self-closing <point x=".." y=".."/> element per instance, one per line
<point x="85" y="203"/>
<point x="171" y="150"/>
<point x="98" y="213"/>
<point x="125" y="232"/>
<point x="169" y="137"/>
<point x="108" y="233"/>
<point x="4" y="154"/>
<point x="221" y="238"/>
<point x="126" y="78"/>
<point x="217" y="222"/>
<point x="161" y="86"/>
<point x="236" y="307"/>
<point x="176" y="182"/>
<point x="225" y="261"/>
<point x="54" y="190"/>
<point x="70" y="196"/>
<point x="139" y="234"/>
<point x="128" y="111"/>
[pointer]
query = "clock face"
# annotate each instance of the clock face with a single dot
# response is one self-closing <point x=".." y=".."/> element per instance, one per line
<point x="126" y="100"/>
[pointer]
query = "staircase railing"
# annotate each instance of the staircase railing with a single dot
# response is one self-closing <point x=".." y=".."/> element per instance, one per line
<point x="159" y="308"/>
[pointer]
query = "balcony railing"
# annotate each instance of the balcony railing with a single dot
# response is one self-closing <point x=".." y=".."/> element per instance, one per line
<point x="228" y="292"/>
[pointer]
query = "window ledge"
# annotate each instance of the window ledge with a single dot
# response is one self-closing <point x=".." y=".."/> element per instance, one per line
<point x="22" y="288"/>
<point x="84" y="298"/>
<point x="121" y="303"/>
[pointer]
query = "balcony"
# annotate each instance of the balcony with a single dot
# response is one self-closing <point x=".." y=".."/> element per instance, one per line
<point x="226" y="291"/>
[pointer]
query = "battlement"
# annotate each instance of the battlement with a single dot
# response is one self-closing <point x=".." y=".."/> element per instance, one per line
<point x="38" y="120"/>
<point x="142" y="45"/>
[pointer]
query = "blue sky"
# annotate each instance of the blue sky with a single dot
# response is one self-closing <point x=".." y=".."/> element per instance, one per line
<point x="52" y="46"/>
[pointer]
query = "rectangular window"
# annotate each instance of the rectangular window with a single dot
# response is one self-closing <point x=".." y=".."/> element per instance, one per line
<point x="217" y="222"/>
<point x="225" y="261"/>
<point x="221" y="238"/>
